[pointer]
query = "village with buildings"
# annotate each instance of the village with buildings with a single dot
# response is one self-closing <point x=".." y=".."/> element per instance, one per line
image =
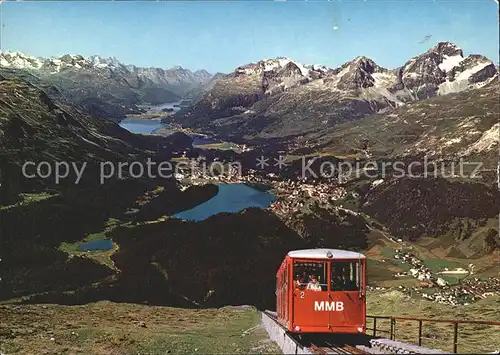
<point x="435" y="288"/>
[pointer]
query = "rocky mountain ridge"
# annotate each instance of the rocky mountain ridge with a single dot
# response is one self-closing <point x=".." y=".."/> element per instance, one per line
<point x="281" y="98"/>
<point x="104" y="87"/>
<point x="153" y="76"/>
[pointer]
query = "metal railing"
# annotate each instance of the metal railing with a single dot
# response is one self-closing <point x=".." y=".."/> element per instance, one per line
<point x="393" y="320"/>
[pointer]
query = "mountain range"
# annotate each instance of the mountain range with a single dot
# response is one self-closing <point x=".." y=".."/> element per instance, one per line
<point x="281" y="98"/>
<point x="104" y="87"/>
<point x="339" y="110"/>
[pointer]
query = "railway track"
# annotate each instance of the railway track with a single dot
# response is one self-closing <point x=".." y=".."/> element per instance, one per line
<point x="336" y="349"/>
<point x="308" y="343"/>
<point x="321" y="344"/>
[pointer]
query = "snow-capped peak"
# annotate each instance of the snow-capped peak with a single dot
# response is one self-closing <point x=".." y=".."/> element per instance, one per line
<point x="273" y="64"/>
<point x="447" y="48"/>
<point x="471" y="71"/>
<point x="303" y="69"/>
<point x="319" y="68"/>
<point x="19" y="60"/>
<point x="363" y="59"/>
<point x="102" y="62"/>
<point x="364" y="63"/>
<point x="449" y="62"/>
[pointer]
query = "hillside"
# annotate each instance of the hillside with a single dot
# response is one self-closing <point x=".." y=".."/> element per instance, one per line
<point x="445" y="127"/>
<point x="131" y="329"/>
<point x="454" y="213"/>
<point x="38" y="214"/>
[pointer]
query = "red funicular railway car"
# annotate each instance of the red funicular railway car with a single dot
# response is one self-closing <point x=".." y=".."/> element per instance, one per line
<point x="322" y="291"/>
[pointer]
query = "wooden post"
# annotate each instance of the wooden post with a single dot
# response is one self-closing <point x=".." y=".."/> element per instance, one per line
<point x="455" y="337"/>
<point x="374" y="326"/>
<point x="420" y="332"/>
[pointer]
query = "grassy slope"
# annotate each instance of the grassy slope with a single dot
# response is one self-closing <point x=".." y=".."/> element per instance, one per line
<point x="471" y="337"/>
<point x="120" y="328"/>
<point x="442" y="126"/>
<point x="117" y="328"/>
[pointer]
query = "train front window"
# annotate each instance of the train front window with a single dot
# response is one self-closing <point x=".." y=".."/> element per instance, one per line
<point x="310" y="275"/>
<point x="345" y="276"/>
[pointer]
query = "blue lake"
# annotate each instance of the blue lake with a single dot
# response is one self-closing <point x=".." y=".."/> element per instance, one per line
<point x="230" y="198"/>
<point x="149" y="126"/>
<point x="144" y="126"/>
<point x="104" y="244"/>
<point x="135" y="125"/>
<point x="139" y="126"/>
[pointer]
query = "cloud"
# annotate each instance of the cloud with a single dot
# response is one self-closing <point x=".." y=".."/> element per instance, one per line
<point x="425" y="39"/>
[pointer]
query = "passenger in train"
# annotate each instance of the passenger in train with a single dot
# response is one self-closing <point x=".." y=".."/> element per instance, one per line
<point x="314" y="285"/>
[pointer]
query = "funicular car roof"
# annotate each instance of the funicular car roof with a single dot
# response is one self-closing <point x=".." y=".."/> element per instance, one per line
<point x="322" y="253"/>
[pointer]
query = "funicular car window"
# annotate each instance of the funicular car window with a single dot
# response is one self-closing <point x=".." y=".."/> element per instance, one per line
<point x="345" y="276"/>
<point x="310" y="275"/>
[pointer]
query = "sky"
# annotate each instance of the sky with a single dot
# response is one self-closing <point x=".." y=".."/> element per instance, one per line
<point x="222" y="35"/>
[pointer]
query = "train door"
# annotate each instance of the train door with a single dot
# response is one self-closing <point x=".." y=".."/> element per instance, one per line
<point x="286" y="291"/>
<point x="346" y="295"/>
<point x="310" y="291"/>
<point x="279" y="293"/>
